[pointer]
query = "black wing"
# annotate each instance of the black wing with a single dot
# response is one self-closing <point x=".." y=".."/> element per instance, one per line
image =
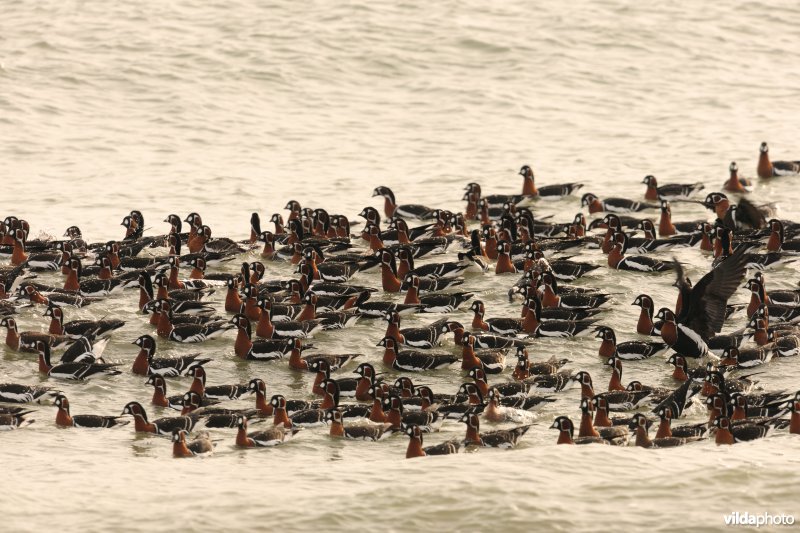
<point x="749" y="214"/>
<point x="790" y="166"/>
<point x="706" y="308"/>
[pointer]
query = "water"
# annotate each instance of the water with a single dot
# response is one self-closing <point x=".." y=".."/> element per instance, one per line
<point x="229" y="108"/>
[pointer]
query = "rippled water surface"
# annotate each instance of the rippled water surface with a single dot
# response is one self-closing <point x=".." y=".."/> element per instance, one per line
<point x="234" y="107"/>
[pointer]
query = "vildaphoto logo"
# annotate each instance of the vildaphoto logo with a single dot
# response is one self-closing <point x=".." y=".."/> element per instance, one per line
<point x="763" y="519"/>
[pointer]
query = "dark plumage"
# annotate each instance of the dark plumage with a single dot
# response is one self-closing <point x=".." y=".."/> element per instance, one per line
<point x="703" y="306"/>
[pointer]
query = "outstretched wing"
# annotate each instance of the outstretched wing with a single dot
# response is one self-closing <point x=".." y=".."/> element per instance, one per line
<point x="705" y="310"/>
<point x="749" y="214"/>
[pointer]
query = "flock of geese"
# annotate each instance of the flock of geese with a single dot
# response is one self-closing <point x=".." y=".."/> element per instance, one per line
<point x="426" y="258"/>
